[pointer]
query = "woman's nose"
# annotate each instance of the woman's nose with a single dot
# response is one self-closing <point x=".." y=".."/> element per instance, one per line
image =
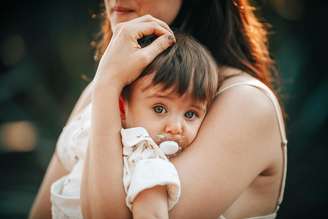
<point x="174" y="127"/>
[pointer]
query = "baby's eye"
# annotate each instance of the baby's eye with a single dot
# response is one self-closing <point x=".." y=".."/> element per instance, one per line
<point x="159" y="109"/>
<point x="190" y="114"/>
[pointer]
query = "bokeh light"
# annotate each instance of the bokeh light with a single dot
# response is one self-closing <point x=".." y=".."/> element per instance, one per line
<point x="289" y="9"/>
<point x="18" y="136"/>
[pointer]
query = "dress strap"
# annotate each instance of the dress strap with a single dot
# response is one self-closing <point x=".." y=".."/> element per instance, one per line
<point x="273" y="99"/>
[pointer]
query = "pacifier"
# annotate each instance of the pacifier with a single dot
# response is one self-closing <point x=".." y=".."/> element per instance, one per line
<point x="169" y="147"/>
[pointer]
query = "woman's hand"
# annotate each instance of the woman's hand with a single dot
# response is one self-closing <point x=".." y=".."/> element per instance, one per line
<point x="124" y="59"/>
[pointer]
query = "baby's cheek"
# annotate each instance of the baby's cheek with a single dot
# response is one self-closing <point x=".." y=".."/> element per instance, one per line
<point x="193" y="132"/>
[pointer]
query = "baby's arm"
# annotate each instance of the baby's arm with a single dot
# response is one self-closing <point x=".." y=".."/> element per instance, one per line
<point x="151" y="203"/>
<point x="151" y="182"/>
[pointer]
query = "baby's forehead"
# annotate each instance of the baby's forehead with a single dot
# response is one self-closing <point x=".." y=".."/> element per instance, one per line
<point x="144" y="86"/>
<point x="171" y="94"/>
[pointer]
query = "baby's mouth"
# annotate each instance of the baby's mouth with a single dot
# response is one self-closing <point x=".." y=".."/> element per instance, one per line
<point x="161" y="137"/>
<point x="169" y="144"/>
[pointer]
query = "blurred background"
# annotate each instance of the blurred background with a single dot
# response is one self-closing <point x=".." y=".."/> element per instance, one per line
<point x="46" y="60"/>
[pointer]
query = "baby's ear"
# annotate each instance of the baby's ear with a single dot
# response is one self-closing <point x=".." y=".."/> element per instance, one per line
<point x="121" y="104"/>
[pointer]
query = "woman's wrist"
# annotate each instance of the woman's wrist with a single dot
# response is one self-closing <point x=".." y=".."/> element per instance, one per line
<point x="102" y="79"/>
<point x="108" y="85"/>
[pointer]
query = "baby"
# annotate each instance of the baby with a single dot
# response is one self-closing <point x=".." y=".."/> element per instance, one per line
<point x="172" y="95"/>
<point x="167" y="104"/>
<point x="161" y="114"/>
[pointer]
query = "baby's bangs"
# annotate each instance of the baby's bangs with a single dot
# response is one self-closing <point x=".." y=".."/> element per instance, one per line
<point x="186" y="67"/>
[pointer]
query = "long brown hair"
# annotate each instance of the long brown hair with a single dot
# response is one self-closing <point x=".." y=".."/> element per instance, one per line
<point x="229" y="29"/>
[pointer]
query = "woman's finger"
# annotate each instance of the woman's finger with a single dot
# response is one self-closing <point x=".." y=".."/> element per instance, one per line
<point x="156" y="47"/>
<point x="149" y="18"/>
<point x="149" y="28"/>
<point x="124" y="46"/>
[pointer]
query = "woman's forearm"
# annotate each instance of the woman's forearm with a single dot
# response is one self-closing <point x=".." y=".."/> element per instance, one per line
<point x="102" y="193"/>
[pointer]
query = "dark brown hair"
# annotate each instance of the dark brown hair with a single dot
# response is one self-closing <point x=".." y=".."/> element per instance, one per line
<point x="185" y="67"/>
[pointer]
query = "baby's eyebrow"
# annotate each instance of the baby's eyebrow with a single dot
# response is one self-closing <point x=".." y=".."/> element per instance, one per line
<point x="158" y="96"/>
<point x="201" y="107"/>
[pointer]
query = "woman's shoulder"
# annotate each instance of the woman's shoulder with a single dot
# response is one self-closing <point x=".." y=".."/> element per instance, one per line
<point x="250" y="104"/>
<point x="254" y="107"/>
<point x="241" y="87"/>
<point x="248" y="94"/>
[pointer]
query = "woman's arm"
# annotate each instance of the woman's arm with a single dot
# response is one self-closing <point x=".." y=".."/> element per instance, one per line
<point x="221" y="164"/>
<point x="41" y="208"/>
<point x="237" y="141"/>
<point x="102" y="193"/>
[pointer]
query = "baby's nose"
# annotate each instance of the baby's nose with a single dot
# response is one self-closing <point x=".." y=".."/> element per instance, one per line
<point x="174" y="127"/>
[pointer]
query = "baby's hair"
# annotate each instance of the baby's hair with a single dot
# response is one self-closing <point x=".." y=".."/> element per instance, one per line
<point x="186" y="66"/>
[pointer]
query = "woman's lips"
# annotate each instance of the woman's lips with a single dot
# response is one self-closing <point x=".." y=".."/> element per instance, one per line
<point x="121" y="10"/>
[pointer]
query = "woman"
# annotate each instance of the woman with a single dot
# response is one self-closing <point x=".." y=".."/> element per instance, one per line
<point x="236" y="165"/>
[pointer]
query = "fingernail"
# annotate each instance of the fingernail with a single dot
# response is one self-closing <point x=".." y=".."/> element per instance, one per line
<point x="171" y="38"/>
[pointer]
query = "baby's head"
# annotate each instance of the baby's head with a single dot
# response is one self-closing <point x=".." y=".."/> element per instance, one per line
<point x="173" y="93"/>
